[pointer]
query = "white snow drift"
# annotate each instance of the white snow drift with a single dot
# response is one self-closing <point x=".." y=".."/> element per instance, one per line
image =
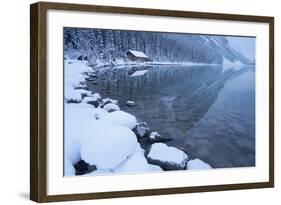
<point x="106" y="146"/>
<point x="120" y="118"/>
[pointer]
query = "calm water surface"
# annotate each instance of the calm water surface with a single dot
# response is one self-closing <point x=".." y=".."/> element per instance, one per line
<point x="209" y="111"/>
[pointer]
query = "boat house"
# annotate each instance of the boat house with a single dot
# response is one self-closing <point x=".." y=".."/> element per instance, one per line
<point x="137" y="56"/>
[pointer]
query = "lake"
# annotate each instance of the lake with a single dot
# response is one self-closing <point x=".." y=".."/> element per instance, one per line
<point x="209" y="111"/>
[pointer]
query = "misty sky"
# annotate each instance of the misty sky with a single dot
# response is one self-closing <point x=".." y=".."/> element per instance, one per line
<point x="245" y="45"/>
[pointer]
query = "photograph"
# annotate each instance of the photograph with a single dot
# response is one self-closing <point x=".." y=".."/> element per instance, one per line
<point x="147" y="102"/>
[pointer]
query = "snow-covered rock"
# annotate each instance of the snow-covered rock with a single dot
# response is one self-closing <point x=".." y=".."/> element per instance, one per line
<point x="120" y="118"/>
<point x="110" y="107"/>
<point x="142" y="130"/>
<point x="130" y="103"/>
<point x="107" y="101"/>
<point x="96" y="96"/>
<point x="135" y="163"/>
<point x="72" y="95"/>
<point x="197" y="164"/>
<point x="93" y="99"/>
<point x="99" y="113"/>
<point x="81" y="86"/>
<point x="168" y="158"/>
<point x="107" y="145"/>
<point x="156" y="137"/>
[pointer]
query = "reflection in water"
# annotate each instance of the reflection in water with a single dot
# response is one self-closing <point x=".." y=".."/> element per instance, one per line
<point x="209" y="112"/>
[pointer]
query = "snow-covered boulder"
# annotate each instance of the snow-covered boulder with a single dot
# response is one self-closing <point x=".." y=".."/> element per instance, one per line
<point x="168" y="158"/>
<point x="107" y="145"/>
<point x="142" y="130"/>
<point x="120" y="118"/>
<point x="72" y="95"/>
<point x="156" y="137"/>
<point x="90" y="101"/>
<point x="92" y="74"/>
<point x="93" y="99"/>
<point x="197" y="164"/>
<point x="110" y="107"/>
<point x="131" y="103"/>
<point x="96" y="96"/>
<point x="135" y="163"/>
<point x="99" y="113"/>
<point x="107" y="101"/>
<point x="81" y="86"/>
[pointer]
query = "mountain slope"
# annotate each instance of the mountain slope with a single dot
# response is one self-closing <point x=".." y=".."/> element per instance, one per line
<point x="105" y="46"/>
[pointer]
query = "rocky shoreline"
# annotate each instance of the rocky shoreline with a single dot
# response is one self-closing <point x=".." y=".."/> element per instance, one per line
<point x="101" y="138"/>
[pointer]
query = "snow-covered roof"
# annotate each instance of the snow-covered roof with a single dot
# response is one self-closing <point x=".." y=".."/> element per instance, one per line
<point x="138" y="54"/>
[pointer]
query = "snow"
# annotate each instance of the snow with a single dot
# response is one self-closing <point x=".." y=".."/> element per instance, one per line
<point x="75" y="94"/>
<point x="138" y="54"/>
<point x="197" y="164"/>
<point x="217" y="43"/>
<point x="90" y="97"/>
<point x="75" y="116"/>
<point x="111" y="107"/>
<point x="99" y="113"/>
<point x="153" y="135"/>
<point x="106" y="146"/>
<point x="105" y="100"/>
<point x="103" y="136"/>
<point x="120" y="118"/>
<point x="135" y="163"/>
<point x="155" y="168"/>
<point x="68" y="168"/>
<point x="161" y="152"/>
<point x="227" y="64"/>
<point x="87" y="99"/>
<point x="130" y="103"/>
<point x="75" y="72"/>
<point x="96" y="96"/>
<point x="139" y="73"/>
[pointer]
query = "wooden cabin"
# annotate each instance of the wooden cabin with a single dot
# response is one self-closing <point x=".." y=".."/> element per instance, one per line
<point x="137" y="56"/>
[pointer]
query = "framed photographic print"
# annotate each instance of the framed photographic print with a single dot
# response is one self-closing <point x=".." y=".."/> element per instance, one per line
<point x="134" y="102"/>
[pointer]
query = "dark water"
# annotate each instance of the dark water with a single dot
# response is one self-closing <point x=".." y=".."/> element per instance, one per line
<point x="207" y="110"/>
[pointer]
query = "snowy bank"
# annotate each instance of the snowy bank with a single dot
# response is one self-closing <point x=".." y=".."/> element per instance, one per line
<point x="106" y="146"/>
<point x="74" y="75"/>
<point x="102" y="139"/>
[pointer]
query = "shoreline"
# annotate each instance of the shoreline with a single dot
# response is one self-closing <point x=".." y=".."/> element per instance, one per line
<point x="153" y="155"/>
